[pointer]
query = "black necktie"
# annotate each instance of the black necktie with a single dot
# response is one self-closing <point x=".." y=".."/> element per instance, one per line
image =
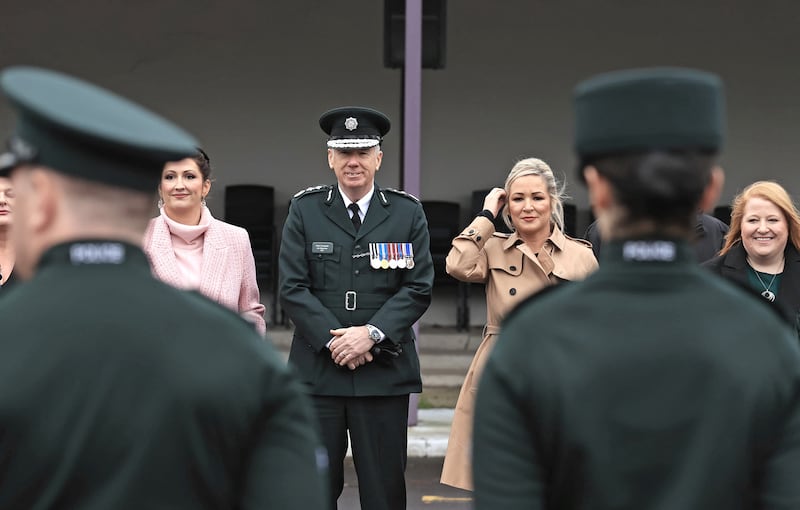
<point x="356" y="219"/>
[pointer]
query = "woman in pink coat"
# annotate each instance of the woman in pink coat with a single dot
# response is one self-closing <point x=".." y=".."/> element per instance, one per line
<point x="190" y="249"/>
<point x="512" y="266"/>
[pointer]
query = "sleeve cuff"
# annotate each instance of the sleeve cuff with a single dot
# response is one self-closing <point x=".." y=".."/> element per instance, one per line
<point x="486" y="213"/>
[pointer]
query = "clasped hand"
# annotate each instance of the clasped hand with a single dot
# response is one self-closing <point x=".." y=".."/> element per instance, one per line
<point x="350" y="346"/>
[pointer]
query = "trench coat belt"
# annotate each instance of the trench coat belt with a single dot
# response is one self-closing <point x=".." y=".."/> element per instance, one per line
<point x="490" y="329"/>
<point x="351" y="300"/>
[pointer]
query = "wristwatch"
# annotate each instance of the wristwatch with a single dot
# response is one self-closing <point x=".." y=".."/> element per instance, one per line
<point x="374" y="333"/>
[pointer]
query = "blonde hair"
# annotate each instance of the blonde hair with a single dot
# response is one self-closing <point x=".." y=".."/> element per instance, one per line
<point x="772" y="192"/>
<point x="534" y="166"/>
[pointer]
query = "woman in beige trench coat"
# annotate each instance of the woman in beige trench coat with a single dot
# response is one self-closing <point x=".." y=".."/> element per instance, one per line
<point x="512" y="266"/>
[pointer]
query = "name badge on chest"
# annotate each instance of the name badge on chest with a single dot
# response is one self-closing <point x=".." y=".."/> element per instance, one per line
<point x="321" y="247"/>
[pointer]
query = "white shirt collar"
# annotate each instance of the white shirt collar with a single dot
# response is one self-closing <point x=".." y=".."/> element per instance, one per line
<point x="363" y="202"/>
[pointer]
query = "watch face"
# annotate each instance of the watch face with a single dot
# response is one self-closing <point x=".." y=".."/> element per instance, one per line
<point x="373" y="334"/>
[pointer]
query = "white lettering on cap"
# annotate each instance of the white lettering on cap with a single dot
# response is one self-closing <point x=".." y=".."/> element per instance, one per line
<point x="663" y="251"/>
<point x="96" y="253"/>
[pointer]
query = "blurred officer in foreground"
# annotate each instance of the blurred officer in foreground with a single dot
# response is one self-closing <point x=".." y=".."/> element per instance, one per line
<point x="356" y="274"/>
<point x="652" y="384"/>
<point x="116" y="390"/>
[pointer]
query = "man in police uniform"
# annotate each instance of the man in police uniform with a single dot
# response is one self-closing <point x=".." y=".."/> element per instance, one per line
<point x="117" y="391"/>
<point x="356" y="274"/>
<point x="653" y="383"/>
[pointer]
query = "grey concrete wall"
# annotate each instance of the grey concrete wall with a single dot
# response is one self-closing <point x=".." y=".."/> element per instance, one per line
<point x="250" y="78"/>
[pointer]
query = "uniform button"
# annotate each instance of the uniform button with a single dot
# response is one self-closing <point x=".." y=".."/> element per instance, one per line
<point x="358" y="248"/>
<point x="356" y="272"/>
<point x="478" y="238"/>
<point x="471" y="231"/>
<point x="513" y="291"/>
<point x="512" y="268"/>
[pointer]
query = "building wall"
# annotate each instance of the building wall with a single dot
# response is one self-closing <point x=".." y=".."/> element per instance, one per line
<point x="250" y="79"/>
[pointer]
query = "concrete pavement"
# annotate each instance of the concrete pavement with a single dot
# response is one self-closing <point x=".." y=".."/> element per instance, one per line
<point x="428" y="438"/>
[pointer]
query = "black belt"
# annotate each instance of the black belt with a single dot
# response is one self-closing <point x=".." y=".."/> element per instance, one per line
<point x="352" y="300"/>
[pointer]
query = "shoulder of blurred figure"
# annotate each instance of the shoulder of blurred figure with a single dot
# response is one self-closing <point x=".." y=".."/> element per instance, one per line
<point x="544" y="292"/>
<point x="401" y="193"/>
<point x="312" y="190"/>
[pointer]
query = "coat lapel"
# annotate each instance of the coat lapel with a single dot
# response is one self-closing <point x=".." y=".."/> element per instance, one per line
<point x="376" y="214"/>
<point x="336" y="212"/>
<point x="165" y="265"/>
<point x="734" y="267"/>
<point x="514" y="242"/>
<point x="215" y="254"/>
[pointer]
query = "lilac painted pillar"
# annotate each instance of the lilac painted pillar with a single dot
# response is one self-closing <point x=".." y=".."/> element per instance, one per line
<point x="412" y="119"/>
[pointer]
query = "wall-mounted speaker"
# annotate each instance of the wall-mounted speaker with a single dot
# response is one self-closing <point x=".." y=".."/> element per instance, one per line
<point x="433" y="33"/>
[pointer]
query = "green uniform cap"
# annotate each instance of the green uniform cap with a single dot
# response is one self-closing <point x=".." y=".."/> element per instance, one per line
<point x="354" y="127"/>
<point x="79" y="129"/>
<point x="649" y="109"/>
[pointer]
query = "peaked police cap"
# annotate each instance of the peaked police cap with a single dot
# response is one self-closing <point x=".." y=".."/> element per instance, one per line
<point x="82" y="130"/>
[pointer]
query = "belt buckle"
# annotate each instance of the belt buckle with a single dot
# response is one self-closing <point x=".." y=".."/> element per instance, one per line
<point x="350" y="300"/>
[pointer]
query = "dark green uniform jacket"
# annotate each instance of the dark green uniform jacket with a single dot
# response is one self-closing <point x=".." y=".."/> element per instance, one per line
<point x="119" y="392"/>
<point x="322" y="259"/>
<point x="653" y="384"/>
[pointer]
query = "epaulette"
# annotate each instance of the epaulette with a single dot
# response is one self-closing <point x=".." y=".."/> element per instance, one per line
<point x="401" y="193"/>
<point x="312" y="189"/>
<point x="578" y="240"/>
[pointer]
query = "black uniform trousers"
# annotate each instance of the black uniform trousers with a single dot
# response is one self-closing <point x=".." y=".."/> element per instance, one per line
<point x="379" y="434"/>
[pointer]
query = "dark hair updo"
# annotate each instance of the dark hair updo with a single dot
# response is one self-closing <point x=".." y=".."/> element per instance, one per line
<point x="661" y="186"/>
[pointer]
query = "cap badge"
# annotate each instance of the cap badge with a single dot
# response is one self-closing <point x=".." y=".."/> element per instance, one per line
<point x="350" y="123"/>
<point x="22" y="149"/>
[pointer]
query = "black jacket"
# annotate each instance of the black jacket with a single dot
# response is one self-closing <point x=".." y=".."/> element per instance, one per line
<point x="733" y="266"/>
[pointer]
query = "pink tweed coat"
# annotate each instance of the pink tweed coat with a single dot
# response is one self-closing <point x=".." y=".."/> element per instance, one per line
<point x="228" y="272"/>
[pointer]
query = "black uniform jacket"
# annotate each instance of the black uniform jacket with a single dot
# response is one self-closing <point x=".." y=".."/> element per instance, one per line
<point x="652" y="384"/>
<point x="118" y="391"/>
<point x="733" y="266"/>
<point x="325" y="269"/>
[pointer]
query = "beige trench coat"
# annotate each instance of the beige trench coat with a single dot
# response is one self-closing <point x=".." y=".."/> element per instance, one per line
<point x="511" y="273"/>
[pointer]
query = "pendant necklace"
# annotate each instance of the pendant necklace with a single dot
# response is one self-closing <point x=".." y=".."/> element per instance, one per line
<point x="768" y="294"/>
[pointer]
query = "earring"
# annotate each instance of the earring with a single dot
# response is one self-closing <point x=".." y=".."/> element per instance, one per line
<point x="203" y="201"/>
<point x="160" y="203"/>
